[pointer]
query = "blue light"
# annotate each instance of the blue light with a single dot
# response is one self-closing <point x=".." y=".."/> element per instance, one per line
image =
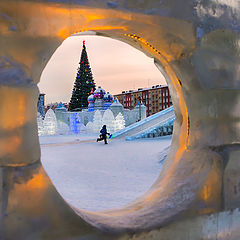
<point x="74" y="123"/>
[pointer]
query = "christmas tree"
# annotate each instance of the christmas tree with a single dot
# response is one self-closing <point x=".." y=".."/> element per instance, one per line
<point x="83" y="85"/>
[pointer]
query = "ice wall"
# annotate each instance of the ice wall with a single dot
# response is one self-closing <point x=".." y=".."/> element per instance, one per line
<point x="196" y="46"/>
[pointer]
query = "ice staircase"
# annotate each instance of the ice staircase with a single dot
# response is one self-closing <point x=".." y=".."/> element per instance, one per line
<point x="159" y="124"/>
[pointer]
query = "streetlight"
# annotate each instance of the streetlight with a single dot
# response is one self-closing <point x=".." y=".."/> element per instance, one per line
<point x="140" y="109"/>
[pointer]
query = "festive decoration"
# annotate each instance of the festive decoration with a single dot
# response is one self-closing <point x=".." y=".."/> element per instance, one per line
<point x="97" y="121"/>
<point x="89" y="127"/>
<point x="74" y="123"/>
<point x="50" y="123"/>
<point x="83" y="84"/>
<point x="99" y="100"/>
<point x="99" y="93"/>
<point x="108" y="120"/>
<point x="62" y="128"/>
<point x="108" y="98"/>
<point x="119" y="122"/>
<point x="41" y="131"/>
<point x="91" y="100"/>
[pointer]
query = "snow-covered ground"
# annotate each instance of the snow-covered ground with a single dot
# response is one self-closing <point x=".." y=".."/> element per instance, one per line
<point x="95" y="176"/>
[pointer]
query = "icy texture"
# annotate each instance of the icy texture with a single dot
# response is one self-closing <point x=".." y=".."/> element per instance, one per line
<point x="113" y="124"/>
<point x="13" y="74"/>
<point x="75" y="124"/>
<point x="50" y="123"/>
<point x="89" y="127"/>
<point x="41" y="131"/>
<point x="196" y="46"/>
<point x="62" y="128"/>
<point x="109" y="120"/>
<point x="97" y="121"/>
<point x="116" y="103"/>
<point x="164" y="127"/>
<point x="50" y="126"/>
<point x="148" y="123"/>
<point x="119" y="122"/>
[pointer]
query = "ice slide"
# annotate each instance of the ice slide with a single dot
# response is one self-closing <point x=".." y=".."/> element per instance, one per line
<point x="147" y="125"/>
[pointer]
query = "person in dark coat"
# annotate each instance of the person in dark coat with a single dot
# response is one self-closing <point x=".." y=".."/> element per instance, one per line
<point x="103" y="135"/>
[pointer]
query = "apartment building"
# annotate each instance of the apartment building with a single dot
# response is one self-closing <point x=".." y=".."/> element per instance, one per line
<point x="155" y="98"/>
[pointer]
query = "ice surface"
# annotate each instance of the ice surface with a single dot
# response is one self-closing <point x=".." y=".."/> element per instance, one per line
<point x="49" y="123"/>
<point x="40" y="125"/>
<point x="109" y="120"/>
<point x="97" y="121"/>
<point x="50" y="126"/>
<point x="144" y="126"/>
<point x="62" y="128"/>
<point x="119" y="122"/>
<point x="95" y="176"/>
<point x="113" y="124"/>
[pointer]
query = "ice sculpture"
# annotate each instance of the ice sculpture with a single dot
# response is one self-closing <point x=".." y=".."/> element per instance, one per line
<point x="62" y="128"/>
<point x="89" y="127"/>
<point x="83" y="128"/>
<point x="119" y="122"/>
<point x="97" y="121"/>
<point x="109" y="120"/>
<point x="41" y="129"/>
<point x="50" y="123"/>
<point x="196" y="45"/>
<point x="50" y="126"/>
<point x="75" y="123"/>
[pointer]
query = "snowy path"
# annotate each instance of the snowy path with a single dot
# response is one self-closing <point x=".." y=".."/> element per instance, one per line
<point x="95" y="176"/>
<point x="67" y="143"/>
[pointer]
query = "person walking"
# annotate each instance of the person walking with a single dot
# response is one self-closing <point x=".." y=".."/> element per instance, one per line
<point x="103" y="134"/>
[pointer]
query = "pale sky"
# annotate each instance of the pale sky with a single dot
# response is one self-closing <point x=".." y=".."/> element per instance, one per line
<point x="116" y="67"/>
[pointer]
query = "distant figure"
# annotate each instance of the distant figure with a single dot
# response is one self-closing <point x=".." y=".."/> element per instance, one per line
<point x="103" y="135"/>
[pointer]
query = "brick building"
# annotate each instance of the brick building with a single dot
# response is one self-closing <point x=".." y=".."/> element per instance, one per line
<point x="155" y="98"/>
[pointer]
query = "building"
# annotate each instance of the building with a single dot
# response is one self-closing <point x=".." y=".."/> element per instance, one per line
<point x="102" y="102"/>
<point x="99" y="100"/>
<point x="155" y="98"/>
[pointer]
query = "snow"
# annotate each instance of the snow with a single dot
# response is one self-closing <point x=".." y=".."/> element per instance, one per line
<point x="95" y="176"/>
<point x="55" y="139"/>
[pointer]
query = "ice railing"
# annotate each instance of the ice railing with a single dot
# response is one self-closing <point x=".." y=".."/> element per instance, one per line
<point x="144" y="121"/>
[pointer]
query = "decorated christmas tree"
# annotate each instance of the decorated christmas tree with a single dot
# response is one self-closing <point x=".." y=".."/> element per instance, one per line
<point x="83" y="85"/>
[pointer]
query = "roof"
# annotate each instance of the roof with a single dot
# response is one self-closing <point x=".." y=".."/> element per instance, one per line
<point x="142" y="89"/>
<point x="61" y="106"/>
<point x="116" y="103"/>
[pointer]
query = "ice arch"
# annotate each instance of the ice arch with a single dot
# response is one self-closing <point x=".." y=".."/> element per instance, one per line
<point x="196" y="45"/>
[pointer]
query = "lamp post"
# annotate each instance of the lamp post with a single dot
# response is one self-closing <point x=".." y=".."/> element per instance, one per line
<point x="140" y="109"/>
